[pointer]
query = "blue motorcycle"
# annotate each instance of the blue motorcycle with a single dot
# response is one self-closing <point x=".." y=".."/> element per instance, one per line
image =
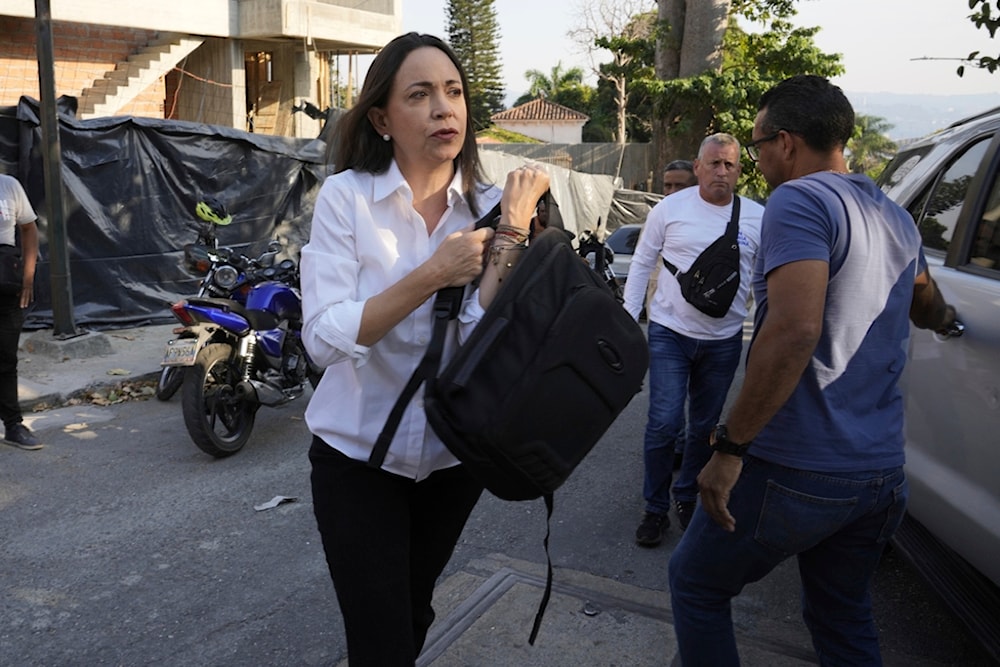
<point x="241" y="354"/>
<point x="223" y="273"/>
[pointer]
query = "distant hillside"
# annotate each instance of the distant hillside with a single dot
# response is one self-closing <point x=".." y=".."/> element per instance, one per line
<point x="914" y="116"/>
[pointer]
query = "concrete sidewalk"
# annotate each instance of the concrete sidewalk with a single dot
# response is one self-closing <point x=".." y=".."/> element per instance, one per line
<point x="486" y="611"/>
<point x="51" y="371"/>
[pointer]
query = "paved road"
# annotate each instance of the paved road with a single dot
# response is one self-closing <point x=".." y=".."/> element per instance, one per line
<point x="123" y="544"/>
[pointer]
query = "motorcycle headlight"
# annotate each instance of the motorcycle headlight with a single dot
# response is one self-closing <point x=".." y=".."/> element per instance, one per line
<point x="226" y="277"/>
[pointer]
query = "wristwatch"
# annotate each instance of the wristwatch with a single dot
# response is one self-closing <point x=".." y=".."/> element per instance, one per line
<point x="723" y="444"/>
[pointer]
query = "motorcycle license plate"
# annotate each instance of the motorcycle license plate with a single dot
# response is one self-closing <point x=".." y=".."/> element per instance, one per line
<point x="181" y="352"/>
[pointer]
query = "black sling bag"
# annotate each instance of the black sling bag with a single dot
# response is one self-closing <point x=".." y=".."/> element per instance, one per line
<point x="713" y="280"/>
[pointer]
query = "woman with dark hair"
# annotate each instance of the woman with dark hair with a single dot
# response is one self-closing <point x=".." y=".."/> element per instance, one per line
<point x="392" y="226"/>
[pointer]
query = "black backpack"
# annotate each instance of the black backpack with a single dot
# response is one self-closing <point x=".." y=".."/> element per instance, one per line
<point x="553" y="362"/>
<point x="542" y="377"/>
<point x="713" y="280"/>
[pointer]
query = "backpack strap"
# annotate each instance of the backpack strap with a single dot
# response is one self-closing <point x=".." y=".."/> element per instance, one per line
<point x="732" y="230"/>
<point x="447" y="303"/>
<point x="548" y="576"/>
<point x="491" y="219"/>
<point x="446" y="306"/>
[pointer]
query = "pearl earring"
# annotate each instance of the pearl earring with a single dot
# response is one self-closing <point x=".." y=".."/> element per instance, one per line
<point x="386" y="137"/>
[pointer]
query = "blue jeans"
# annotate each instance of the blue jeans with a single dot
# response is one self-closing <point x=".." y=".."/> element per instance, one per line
<point x="683" y="370"/>
<point x="836" y="524"/>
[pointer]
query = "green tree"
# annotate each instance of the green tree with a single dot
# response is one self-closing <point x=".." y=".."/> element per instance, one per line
<point x="600" y="129"/>
<point x="474" y="34"/>
<point x="579" y="98"/>
<point x="562" y="86"/>
<point x="550" y="85"/>
<point x="632" y="61"/>
<point x="984" y="17"/>
<point x="704" y="87"/>
<point x="605" y="111"/>
<point x="623" y="29"/>
<point x="565" y="87"/>
<point x="870" y="149"/>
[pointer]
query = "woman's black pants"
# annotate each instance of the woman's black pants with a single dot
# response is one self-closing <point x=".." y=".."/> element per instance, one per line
<point x="387" y="539"/>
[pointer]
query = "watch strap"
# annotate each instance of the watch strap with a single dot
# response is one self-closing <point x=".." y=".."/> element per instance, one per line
<point x="723" y="444"/>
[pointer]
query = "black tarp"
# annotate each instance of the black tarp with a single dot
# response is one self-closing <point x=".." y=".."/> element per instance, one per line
<point x="130" y="189"/>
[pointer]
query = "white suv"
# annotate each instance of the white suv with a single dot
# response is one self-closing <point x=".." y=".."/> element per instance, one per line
<point x="950" y="183"/>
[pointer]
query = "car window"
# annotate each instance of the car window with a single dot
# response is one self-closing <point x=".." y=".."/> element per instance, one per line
<point x="936" y="210"/>
<point x="900" y="166"/>
<point x="986" y="240"/>
<point x="624" y="239"/>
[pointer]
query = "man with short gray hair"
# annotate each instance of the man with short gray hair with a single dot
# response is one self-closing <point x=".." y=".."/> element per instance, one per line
<point x="693" y="355"/>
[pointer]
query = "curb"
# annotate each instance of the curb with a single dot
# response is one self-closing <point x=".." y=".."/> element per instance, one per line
<point x="54" y="370"/>
<point x="55" y="400"/>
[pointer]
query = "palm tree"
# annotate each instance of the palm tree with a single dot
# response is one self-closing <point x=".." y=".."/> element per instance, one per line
<point x="551" y="85"/>
<point x="870" y="148"/>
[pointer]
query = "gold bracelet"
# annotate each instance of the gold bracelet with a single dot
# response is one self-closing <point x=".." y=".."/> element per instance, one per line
<point x="496" y="250"/>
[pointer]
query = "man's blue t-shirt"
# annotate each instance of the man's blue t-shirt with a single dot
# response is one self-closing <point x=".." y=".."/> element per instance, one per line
<point x="846" y="414"/>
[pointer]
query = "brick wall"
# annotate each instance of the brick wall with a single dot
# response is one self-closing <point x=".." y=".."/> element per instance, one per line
<point x="201" y="88"/>
<point x="82" y="54"/>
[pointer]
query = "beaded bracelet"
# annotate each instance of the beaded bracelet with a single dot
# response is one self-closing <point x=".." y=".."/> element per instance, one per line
<point x="510" y="231"/>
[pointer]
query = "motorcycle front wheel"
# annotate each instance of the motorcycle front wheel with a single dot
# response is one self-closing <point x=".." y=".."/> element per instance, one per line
<point x="171" y="379"/>
<point x="217" y="420"/>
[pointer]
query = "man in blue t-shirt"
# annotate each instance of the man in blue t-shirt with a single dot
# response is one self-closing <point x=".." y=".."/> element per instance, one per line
<point x="810" y="461"/>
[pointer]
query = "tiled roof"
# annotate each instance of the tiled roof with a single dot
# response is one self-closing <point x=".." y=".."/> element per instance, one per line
<point x="540" y="109"/>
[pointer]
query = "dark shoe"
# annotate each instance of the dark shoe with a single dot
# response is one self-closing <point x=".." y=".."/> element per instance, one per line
<point x="19" y="436"/>
<point x="685" y="510"/>
<point x="652" y="529"/>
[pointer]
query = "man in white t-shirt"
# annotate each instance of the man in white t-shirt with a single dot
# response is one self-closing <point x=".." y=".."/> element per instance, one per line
<point x="16" y="214"/>
<point x="693" y="356"/>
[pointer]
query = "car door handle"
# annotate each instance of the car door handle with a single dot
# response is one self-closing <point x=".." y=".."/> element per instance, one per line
<point x="953" y="330"/>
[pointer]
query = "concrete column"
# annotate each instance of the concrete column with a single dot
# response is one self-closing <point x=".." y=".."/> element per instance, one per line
<point x="234" y="53"/>
<point x="308" y="70"/>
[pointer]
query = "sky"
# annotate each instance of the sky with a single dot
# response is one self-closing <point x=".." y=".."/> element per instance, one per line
<point x="879" y="41"/>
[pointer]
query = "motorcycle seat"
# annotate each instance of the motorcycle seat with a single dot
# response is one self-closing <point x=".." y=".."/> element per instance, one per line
<point x="225" y="305"/>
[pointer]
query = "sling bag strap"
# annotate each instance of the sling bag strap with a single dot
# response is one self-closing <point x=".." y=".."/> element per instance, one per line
<point x="732" y="229"/>
<point x="447" y="303"/>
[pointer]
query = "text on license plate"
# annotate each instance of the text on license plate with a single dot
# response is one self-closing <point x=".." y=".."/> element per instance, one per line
<point x="182" y="352"/>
